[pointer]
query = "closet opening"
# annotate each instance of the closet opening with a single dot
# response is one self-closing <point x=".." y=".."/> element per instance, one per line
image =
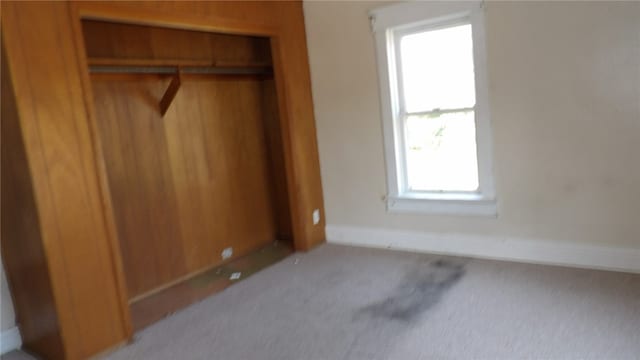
<point x="189" y="129"/>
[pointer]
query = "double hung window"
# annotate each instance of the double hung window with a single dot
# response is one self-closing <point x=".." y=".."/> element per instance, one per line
<point x="432" y="71"/>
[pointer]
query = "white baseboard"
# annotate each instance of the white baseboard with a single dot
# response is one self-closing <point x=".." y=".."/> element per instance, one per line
<point x="490" y="247"/>
<point x="10" y="340"/>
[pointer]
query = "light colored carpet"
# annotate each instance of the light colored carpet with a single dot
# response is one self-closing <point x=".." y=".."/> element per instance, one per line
<point x="351" y="303"/>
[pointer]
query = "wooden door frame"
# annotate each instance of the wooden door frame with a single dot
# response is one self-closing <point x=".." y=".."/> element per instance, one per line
<point x="100" y="11"/>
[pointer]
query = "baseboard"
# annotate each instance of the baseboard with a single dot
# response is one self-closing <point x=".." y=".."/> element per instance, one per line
<point x="10" y="340"/>
<point x="490" y="247"/>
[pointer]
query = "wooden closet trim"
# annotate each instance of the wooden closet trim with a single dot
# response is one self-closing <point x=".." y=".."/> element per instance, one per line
<point x="115" y="255"/>
<point x="117" y="13"/>
<point x="66" y="185"/>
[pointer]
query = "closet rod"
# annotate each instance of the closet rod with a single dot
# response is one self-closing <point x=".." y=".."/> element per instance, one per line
<point x="101" y="69"/>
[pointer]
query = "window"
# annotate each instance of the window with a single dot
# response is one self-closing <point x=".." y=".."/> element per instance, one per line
<point x="432" y="69"/>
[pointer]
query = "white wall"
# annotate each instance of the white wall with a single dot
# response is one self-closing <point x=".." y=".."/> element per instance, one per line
<point x="7" y="315"/>
<point x="9" y="334"/>
<point x="564" y="82"/>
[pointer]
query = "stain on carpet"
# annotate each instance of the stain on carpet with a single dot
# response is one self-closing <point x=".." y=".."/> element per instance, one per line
<point x="422" y="288"/>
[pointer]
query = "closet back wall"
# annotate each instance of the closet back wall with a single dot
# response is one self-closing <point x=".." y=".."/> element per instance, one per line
<point x="188" y="185"/>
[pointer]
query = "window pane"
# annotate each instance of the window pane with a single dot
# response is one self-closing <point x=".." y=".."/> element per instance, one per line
<point x="441" y="152"/>
<point x="437" y="69"/>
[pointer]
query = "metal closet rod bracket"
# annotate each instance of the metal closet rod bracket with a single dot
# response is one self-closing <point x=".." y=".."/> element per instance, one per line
<point x="171" y="92"/>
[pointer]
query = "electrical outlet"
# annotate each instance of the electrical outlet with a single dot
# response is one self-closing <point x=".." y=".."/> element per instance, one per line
<point x="316" y="216"/>
<point x="227" y="253"/>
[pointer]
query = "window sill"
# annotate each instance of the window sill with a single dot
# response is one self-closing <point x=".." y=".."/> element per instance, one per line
<point x="443" y="204"/>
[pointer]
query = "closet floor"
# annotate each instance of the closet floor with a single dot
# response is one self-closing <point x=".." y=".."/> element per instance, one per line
<point x="152" y="308"/>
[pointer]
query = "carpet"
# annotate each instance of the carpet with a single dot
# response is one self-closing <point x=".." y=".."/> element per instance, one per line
<point x="339" y="302"/>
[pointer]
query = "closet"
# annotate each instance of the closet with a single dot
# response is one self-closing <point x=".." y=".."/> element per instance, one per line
<point x="189" y="128"/>
<point x="151" y="153"/>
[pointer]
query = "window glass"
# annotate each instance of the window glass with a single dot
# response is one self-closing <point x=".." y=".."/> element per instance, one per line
<point x="441" y="152"/>
<point x="437" y="69"/>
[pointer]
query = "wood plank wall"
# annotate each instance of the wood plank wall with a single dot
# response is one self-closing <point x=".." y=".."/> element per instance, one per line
<point x="109" y="40"/>
<point x="22" y="247"/>
<point x="46" y="75"/>
<point x="187" y="185"/>
<point x="273" y="131"/>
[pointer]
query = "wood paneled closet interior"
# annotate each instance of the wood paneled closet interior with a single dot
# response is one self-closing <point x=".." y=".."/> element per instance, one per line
<point x="189" y="127"/>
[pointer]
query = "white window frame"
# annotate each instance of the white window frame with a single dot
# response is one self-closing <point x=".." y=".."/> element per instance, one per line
<point x="388" y="25"/>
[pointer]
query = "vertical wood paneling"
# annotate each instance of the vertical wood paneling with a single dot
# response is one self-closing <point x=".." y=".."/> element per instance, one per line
<point x="125" y="41"/>
<point x="223" y="137"/>
<point x="22" y="251"/>
<point x="59" y="151"/>
<point x="105" y="196"/>
<point x="135" y="151"/>
<point x="195" y="173"/>
<point x="189" y="184"/>
<point x="50" y="85"/>
<point x="292" y="76"/>
<point x="273" y="133"/>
